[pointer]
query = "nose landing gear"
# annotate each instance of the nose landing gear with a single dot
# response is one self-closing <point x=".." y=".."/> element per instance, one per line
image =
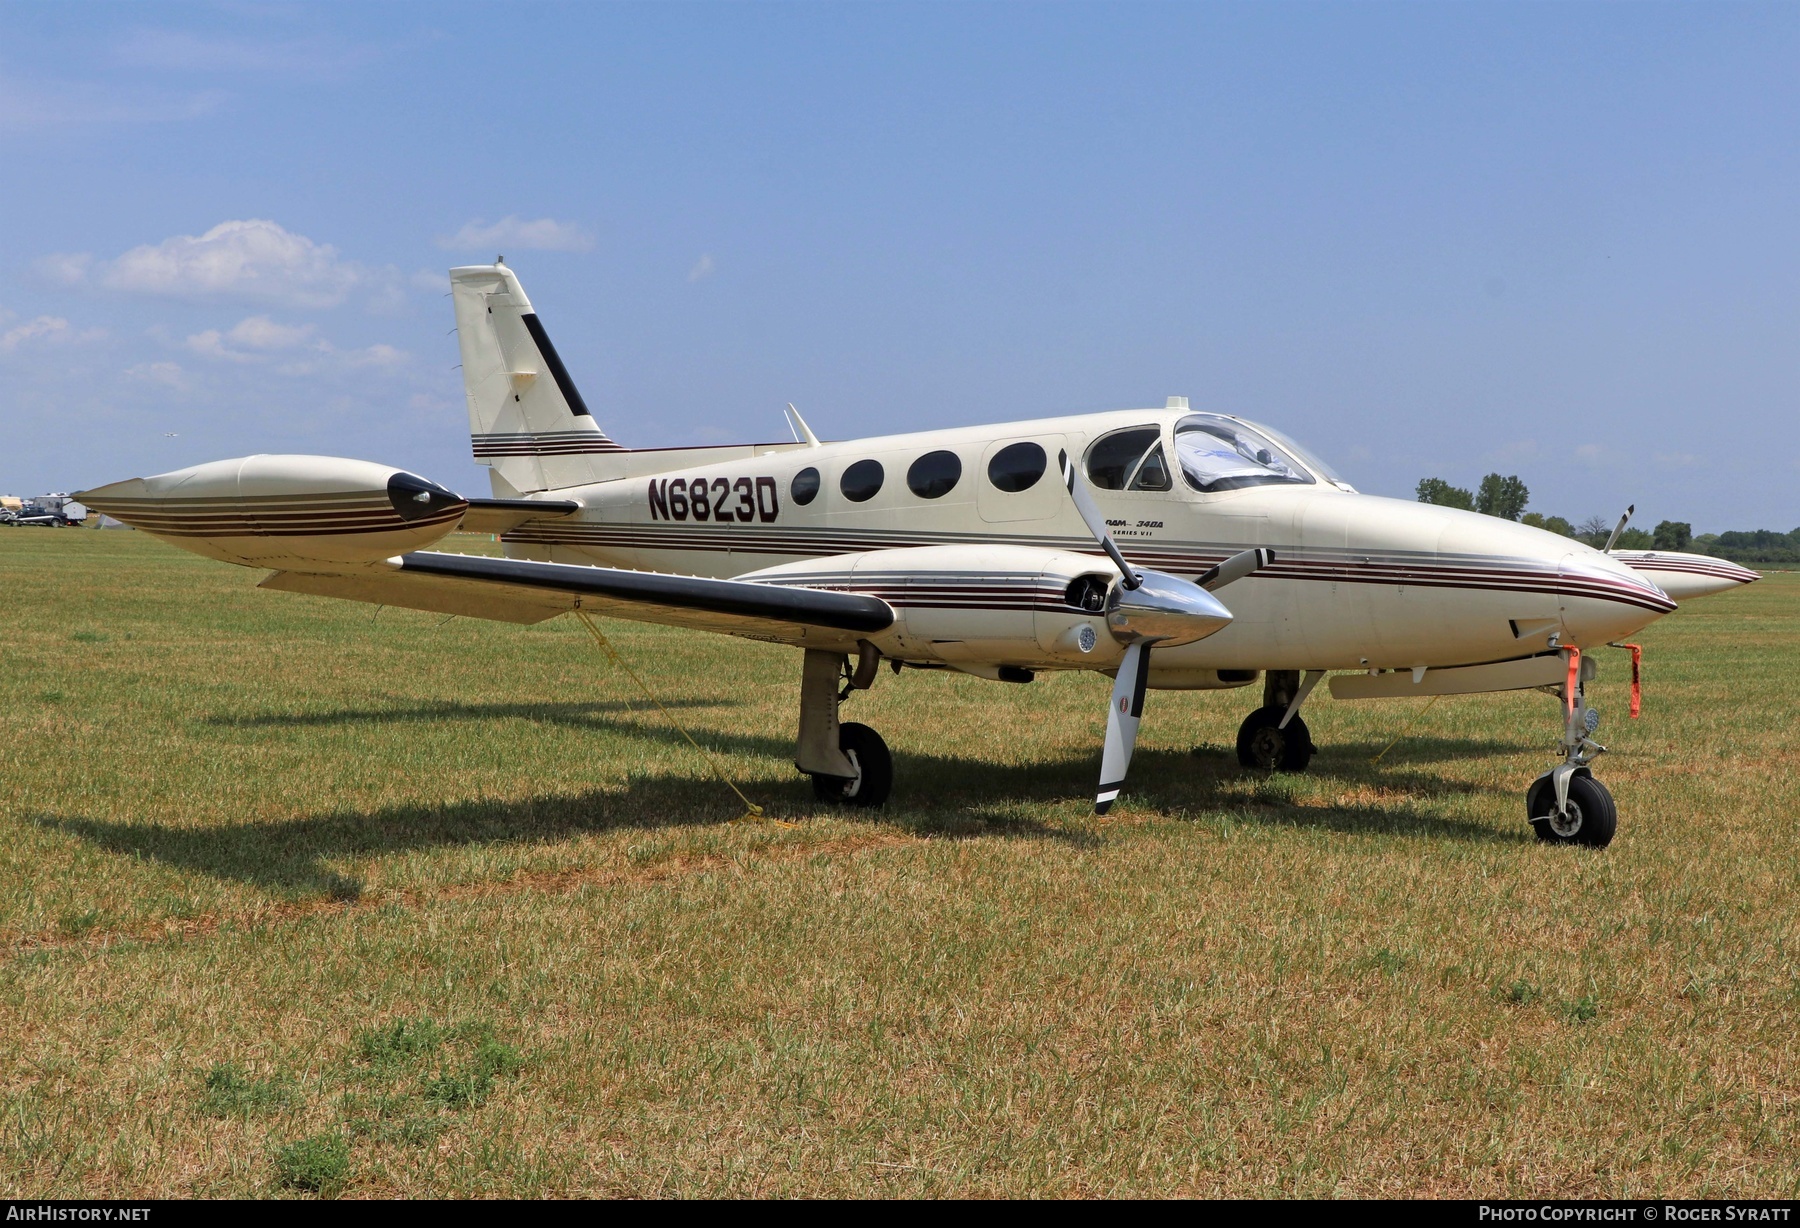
<point x="1566" y="805"/>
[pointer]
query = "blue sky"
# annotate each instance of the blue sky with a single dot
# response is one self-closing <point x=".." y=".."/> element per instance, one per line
<point x="1553" y="240"/>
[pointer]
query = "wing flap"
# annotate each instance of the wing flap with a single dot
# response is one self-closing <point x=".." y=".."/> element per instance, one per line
<point x="524" y="591"/>
<point x="432" y="594"/>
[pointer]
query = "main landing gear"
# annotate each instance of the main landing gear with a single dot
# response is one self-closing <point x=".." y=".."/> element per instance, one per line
<point x="1274" y="738"/>
<point x="849" y="763"/>
<point x="1566" y="805"/>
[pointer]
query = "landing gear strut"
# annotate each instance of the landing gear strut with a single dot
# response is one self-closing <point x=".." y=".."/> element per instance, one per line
<point x="1566" y="805"/>
<point x="1274" y="738"/>
<point x="849" y="763"/>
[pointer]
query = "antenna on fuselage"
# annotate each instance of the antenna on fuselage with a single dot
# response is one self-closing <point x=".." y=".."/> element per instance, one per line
<point x="1618" y="529"/>
<point x="804" y="432"/>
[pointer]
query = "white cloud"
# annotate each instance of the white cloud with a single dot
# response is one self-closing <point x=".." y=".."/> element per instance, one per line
<point x="30" y="105"/>
<point x="211" y="344"/>
<point x="434" y="280"/>
<point x="543" y="235"/>
<point x="377" y="356"/>
<point x="262" y="333"/>
<point x="65" y="268"/>
<point x="260" y="339"/>
<point x="250" y="259"/>
<point x="163" y="374"/>
<point x="703" y="268"/>
<point x="46" y="330"/>
<point x="1512" y="453"/>
<point x="182" y="52"/>
<point x="328" y="361"/>
<point x="252" y="339"/>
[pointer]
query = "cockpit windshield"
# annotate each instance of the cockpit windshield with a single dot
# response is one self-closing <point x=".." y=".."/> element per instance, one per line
<point x="1219" y="453"/>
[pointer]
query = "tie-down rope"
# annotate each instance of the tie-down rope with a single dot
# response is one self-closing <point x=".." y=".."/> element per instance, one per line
<point x="712" y="760"/>
<point x="1409" y="728"/>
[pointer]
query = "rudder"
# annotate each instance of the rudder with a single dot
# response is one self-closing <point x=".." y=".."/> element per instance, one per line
<point x="526" y="418"/>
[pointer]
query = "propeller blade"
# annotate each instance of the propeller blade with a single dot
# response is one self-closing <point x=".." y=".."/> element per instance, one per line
<point x="1122" y="721"/>
<point x="1619" y="528"/>
<point x="1096" y="523"/>
<point x="1236" y="568"/>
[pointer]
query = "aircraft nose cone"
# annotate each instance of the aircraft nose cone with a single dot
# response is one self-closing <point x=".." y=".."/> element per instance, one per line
<point x="1604" y="600"/>
<point x="1166" y="609"/>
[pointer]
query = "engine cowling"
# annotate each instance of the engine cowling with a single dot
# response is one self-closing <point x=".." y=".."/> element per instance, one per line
<point x="1016" y="604"/>
<point x="297" y="513"/>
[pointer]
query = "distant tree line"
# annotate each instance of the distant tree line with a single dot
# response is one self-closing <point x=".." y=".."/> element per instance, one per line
<point x="1756" y="546"/>
<point x="1507" y="497"/>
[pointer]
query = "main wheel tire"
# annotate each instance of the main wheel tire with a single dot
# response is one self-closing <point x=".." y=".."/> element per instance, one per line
<point x="1264" y="746"/>
<point x="1592" y="818"/>
<point x="874" y="778"/>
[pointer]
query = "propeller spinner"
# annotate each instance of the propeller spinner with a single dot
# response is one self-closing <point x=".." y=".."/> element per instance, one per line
<point x="1145" y="609"/>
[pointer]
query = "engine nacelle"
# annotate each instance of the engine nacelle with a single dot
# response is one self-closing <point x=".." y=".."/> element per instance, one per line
<point x="1017" y="605"/>
<point x="1686" y="576"/>
<point x="296" y="513"/>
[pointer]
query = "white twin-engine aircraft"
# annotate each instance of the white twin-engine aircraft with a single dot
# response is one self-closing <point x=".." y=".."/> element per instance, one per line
<point x="1097" y="542"/>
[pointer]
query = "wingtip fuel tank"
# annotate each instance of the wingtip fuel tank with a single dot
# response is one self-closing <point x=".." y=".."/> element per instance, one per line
<point x="291" y="512"/>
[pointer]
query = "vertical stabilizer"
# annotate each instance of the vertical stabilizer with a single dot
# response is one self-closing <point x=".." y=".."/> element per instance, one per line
<point x="526" y="418"/>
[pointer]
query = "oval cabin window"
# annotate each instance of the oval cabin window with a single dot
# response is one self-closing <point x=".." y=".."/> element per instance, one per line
<point x="805" y="487"/>
<point x="934" y="475"/>
<point x="861" y="481"/>
<point x="1017" y="467"/>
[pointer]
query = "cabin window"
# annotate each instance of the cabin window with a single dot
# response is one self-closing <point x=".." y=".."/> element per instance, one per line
<point x="1219" y="453"/>
<point x="934" y="475"/>
<point x="1017" y="467"/>
<point x="1116" y="458"/>
<point x="805" y="487"/>
<point x="861" y="481"/>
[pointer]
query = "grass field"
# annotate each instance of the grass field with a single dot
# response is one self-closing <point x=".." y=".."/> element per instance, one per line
<point x="301" y="898"/>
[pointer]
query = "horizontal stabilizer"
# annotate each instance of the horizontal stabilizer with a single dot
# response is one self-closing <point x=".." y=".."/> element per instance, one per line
<point x="501" y="515"/>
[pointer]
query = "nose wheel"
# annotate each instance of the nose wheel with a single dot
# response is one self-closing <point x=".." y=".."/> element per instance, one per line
<point x="1586" y="816"/>
<point x="1566" y="805"/>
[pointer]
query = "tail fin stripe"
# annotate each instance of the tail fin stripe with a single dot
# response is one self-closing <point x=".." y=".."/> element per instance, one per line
<point x="554" y="361"/>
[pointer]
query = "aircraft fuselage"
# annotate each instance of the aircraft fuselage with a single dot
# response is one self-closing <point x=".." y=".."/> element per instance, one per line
<point x="1359" y="581"/>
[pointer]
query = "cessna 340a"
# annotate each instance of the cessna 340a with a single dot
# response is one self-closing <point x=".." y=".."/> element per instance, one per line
<point x="1108" y="542"/>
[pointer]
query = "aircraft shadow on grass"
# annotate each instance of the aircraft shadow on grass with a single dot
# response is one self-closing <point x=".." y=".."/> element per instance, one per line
<point x="936" y="796"/>
<point x="574" y="715"/>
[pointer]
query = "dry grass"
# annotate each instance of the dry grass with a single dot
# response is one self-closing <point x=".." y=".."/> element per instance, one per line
<point x="244" y="832"/>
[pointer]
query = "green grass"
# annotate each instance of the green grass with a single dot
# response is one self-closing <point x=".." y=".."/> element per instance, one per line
<point x="318" y="1164"/>
<point x="479" y="922"/>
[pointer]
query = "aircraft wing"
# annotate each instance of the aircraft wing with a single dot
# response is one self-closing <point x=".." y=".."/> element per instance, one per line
<point x="523" y="591"/>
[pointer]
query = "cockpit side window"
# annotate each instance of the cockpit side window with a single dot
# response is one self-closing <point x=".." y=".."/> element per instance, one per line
<point x="1152" y="472"/>
<point x="1115" y="459"/>
<point x="1219" y="453"/>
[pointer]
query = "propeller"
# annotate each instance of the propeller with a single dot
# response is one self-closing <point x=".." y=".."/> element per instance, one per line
<point x="1096" y="523"/>
<point x="1145" y="609"/>
<point x="1235" y="568"/>
<point x="1618" y="529"/>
